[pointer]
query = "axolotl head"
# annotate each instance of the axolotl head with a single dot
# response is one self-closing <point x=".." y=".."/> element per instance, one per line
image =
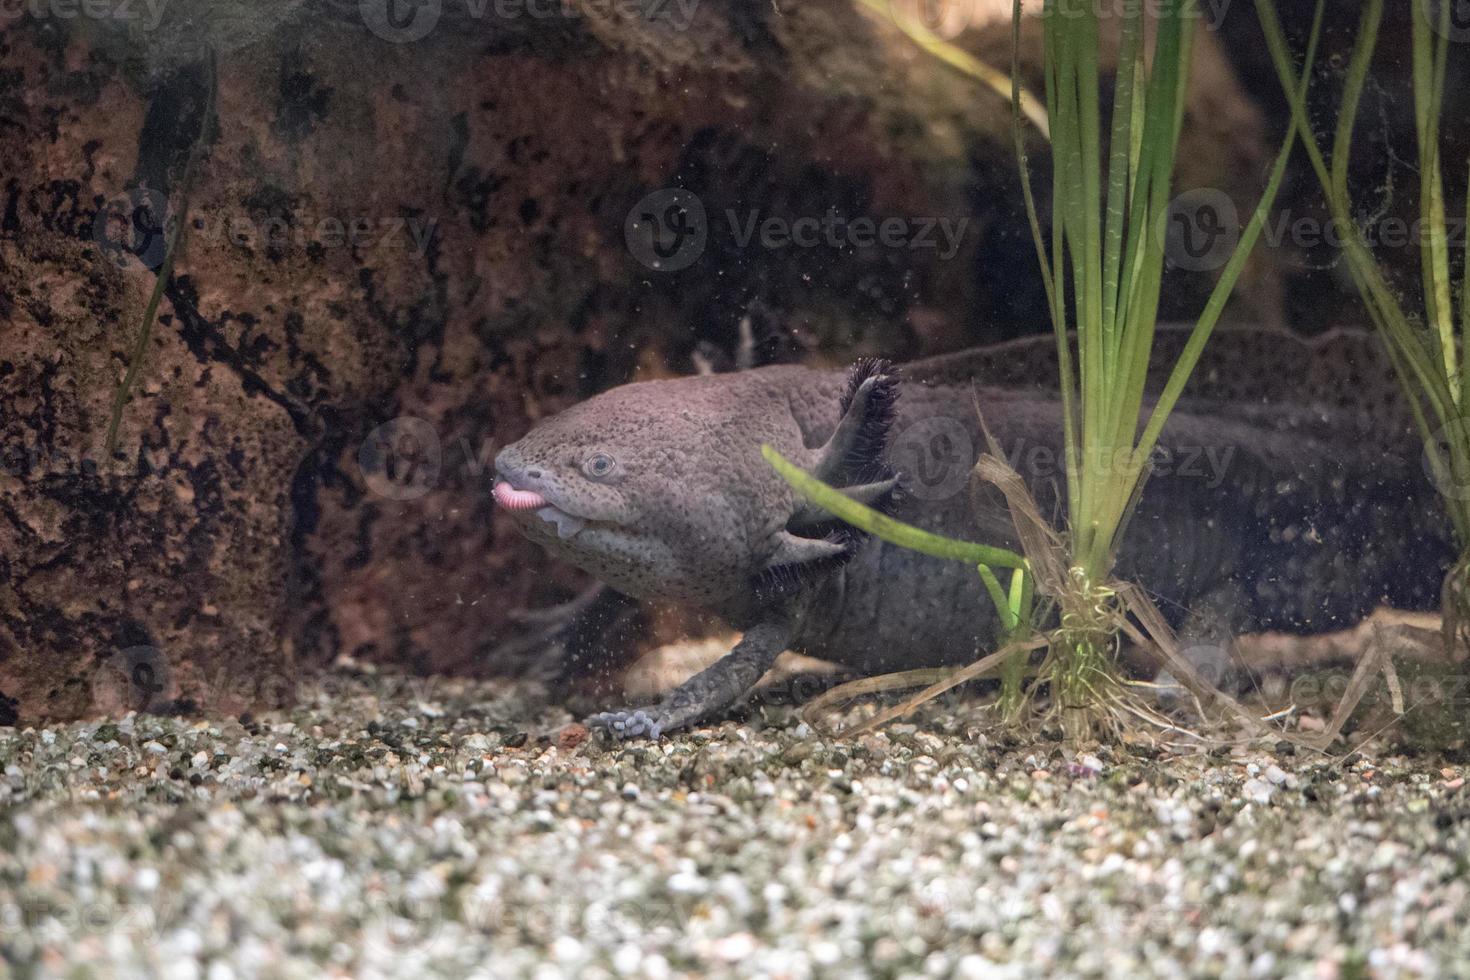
<point x="659" y="488"/>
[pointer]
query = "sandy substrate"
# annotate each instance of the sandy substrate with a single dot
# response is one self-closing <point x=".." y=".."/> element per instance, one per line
<point x="407" y="828"/>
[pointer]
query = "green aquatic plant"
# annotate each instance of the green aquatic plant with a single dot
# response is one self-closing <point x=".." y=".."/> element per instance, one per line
<point x="172" y="249"/>
<point x="1015" y="605"/>
<point x="1425" y="345"/>
<point x="1103" y="266"/>
<point x="882" y="526"/>
<point x="959" y="59"/>
<point x="1103" y="271"/>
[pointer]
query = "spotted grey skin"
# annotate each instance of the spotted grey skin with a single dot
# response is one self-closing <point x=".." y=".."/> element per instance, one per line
<point x="1296" y="506"/>
<point x="689" y="511"/>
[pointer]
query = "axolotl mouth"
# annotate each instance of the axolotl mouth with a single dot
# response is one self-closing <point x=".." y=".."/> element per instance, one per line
<point x="523" y="501"/>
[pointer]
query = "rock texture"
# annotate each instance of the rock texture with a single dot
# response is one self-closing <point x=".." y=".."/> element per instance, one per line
<point x="401" y="250"/>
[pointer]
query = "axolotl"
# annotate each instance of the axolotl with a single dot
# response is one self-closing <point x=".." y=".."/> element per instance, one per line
<point x="1290" y="492"/>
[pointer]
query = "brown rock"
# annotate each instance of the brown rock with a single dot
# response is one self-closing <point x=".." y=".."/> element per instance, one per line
<point x="571" y="736"/>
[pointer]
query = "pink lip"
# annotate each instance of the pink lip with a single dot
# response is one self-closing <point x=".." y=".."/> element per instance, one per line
<point x="512" y="499"/>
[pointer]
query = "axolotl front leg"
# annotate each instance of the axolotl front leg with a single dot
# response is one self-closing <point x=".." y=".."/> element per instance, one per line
<point x="725" y="681"/>
<point x="711" y="690"/>
<point x="808" y="547"/>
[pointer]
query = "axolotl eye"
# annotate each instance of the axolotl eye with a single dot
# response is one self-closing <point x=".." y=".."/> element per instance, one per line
<point x="599" y="466"/>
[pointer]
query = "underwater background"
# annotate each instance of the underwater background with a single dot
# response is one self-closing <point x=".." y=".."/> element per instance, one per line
<point x="410" y="230"/>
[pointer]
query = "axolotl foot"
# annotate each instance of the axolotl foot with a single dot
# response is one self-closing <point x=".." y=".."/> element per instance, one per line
<point x="628" y="724"/>
<point x="706" y="693"/>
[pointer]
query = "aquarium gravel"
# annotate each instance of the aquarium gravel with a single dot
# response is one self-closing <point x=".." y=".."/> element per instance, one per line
<point x="395" y="828"/>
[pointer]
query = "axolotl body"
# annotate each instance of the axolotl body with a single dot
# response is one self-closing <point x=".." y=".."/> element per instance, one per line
<point x="1297" y="502"/>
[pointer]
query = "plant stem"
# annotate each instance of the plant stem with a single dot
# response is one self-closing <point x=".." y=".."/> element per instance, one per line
<point x="882" y="526"/>
<point x="166" y="270"/>
<point x="1104" y="270"/>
